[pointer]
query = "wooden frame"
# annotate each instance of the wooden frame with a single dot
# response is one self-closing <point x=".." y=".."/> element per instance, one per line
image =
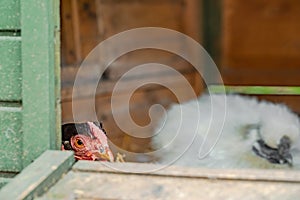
<point x="40" y="64"/>
<point x="30" y="82"/>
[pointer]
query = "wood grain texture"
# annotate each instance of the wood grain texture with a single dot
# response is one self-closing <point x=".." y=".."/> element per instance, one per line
<point x="118" y="16"/>
<point x="68" y="50"/>
<point x="261" y="42"/>
<point x="98" y="20"/>
<point x="139" y="105"/>
<point x="103" y="181"/>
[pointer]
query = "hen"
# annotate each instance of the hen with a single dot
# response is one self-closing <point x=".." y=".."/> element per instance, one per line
<point x="87" y="140"/>
<point x="251" y="134"/>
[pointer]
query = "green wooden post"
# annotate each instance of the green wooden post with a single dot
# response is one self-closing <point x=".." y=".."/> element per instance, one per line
<point x="10" y="88"/>
<point x="56" y="18"/>
<point x="39" y="72"/>
<point x="9" y="15"/>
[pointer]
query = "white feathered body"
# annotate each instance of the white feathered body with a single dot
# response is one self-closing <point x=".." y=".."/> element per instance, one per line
<point x="218" y="131"/>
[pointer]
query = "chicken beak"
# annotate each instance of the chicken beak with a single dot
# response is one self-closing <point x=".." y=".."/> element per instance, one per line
<point x="103" y="156"/>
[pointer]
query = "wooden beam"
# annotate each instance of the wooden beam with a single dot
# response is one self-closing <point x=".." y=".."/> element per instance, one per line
<point x="189" y="172"/>
<point x="257" y="90"/>
<point x="35" y="179"/>
<point x="39" y="84"/>
<point x="4" y="181"/>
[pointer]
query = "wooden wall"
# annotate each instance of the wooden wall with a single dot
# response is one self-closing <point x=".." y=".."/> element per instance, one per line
<point x="260" y="45"/>
<point x="261" y="42"/>
<point x="255" y="42"/>
<point x="85" y="23"/>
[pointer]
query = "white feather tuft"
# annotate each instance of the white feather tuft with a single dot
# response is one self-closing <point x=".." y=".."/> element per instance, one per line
<point x="185" y="126"/>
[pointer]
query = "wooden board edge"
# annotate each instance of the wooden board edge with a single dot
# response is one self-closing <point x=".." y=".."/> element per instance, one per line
<point x="4" y="181"/>
<point x="273" y="175"/>
<point x="258" y="90"/>
<point x="39" y="176"/>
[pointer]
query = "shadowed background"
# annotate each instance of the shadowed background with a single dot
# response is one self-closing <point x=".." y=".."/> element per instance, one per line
<point x="253" y="43"/>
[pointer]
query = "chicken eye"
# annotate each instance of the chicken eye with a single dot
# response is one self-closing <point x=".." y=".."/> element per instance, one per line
<point x="79" y="143"/>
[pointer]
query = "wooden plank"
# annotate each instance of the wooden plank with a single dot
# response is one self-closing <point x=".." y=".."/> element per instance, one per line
<point x="117" y="16"/>
<point x="193" y="19"/>
<point x="10" y="138"/>
<point x="265" y="46"/>
<point x="137" y="58"/>
<point x="38" y="72"/>
<point x="177" y="171"/>
<point x="68" y="51"/>
<point x="95" y="180"/>
<point x="259" y="90"/>
<point x="4" y="181"/>
<point x="76" y="31"/>
<point x="118" y="68"/>
<point x="291" y="100"/>
<point x="87" y="13"/>
<point x="85" y="89"/>
<point x="139" y="105"/>
<point x="57" y="64"/>
<point x="274" y="46"/>
<point x="10" y="14"/>
<point x="247" y="75"/>
<point x="39" y="176"/>
<point x="10" y="68"/>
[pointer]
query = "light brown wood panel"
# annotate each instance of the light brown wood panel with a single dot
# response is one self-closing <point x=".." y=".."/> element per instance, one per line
<point x="290" y="100"/>
<point x="261" y="42"/>
<point x="86" y="89"/>
<point x="140" y="103"/>
<point x="118" y="16"/>
<point x="85" y="23"/>
<point x="68" y="54"/>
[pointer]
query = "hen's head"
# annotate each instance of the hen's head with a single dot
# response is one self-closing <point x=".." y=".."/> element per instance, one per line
<point x="87" y="140"/>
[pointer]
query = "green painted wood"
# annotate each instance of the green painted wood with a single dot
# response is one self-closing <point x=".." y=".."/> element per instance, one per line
<point x="39" y="84"/>
<point x="13" y="33"/>
<point x="4" y="181"/>
<point x="257" y="90"/>
<point x="36" y="178"/>
<point x="10" y="138"/>
<point x="56" y="16"/>
<point x="10" y="14"/>
<point x="10" y="69"/>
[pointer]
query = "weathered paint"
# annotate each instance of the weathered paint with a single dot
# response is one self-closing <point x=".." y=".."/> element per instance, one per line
<point x="4" y="181"/>
<point x="10" y="68"/>
<point x="29" y="74"/>
<point x="10" y="138"/>
<point x="56" y="16"/>
<point x="38" y="73"/>
<point x="96" y="180"/>
<point x="39" y="176"/>
<point x="10" y="14"/>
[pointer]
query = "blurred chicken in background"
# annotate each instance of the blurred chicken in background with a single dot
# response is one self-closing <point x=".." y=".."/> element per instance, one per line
<point x="255" y="134"/>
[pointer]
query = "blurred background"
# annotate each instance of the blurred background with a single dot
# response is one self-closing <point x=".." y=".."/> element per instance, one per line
<point x="253" y="42"/>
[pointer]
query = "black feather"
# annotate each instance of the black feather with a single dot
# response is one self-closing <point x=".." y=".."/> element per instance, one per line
<point x="71" y="129"/>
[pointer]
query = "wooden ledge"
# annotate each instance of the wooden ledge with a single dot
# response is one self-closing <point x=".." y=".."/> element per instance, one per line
<point x="273" y="175"/>
<point x="35" y="179"/>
